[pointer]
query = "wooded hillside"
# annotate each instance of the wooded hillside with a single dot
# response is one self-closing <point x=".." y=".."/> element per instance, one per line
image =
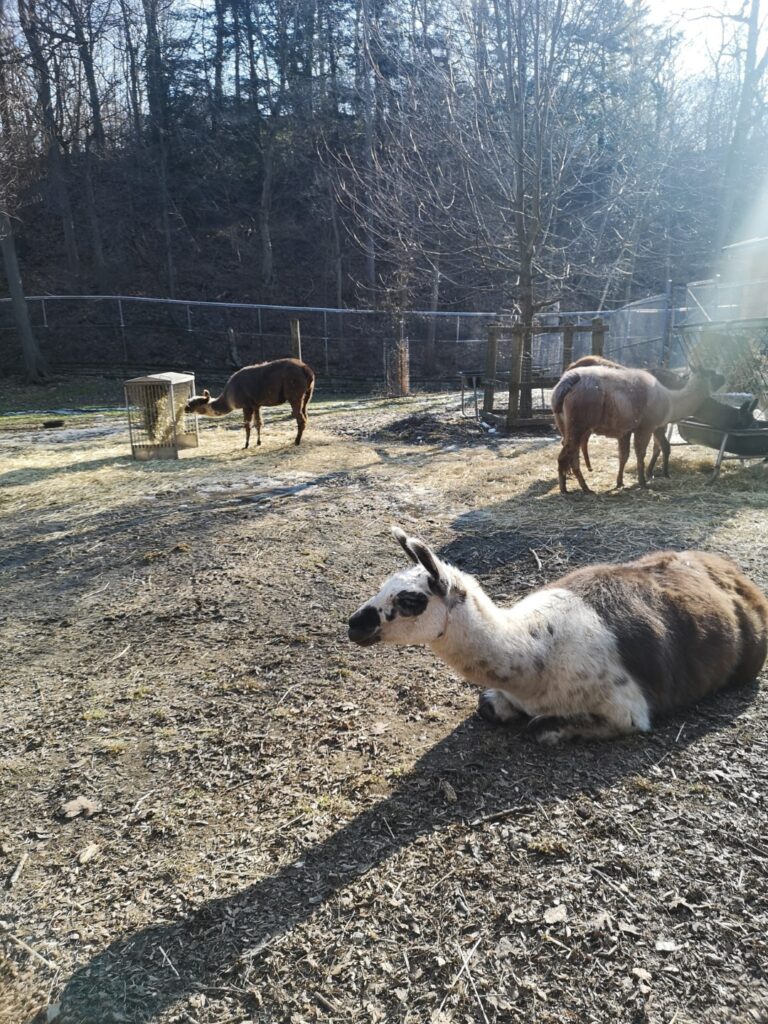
<point x="487" y="154"/>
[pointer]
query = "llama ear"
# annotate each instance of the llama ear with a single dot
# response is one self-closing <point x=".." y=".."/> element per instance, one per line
<point x="402" y="540"/>
<point x="423" y="555"/>
<point x="438" y="580"/>
<point x="748" y="407"/>
<point x="206" y="394"/>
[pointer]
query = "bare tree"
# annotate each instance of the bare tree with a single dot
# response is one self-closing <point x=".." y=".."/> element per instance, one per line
<point x="10" y="85"/>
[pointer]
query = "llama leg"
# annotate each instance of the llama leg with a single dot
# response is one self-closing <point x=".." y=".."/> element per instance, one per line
<point x="569" y="459"/>
<point x="660" y="444"/>
<point x="494" y="706"/>
<point x="623" y="456"/>
<point x="301" y="418"/>
<point x="552" y="730"/>
<point x="577" y="470"/>
<point x="585" y="451"/>
<point x="247" y="415"/>
<point x="259" y="424"/>
<point x="660" y="438"/>
<point x="642" y="437"/>
<point x="563" y="465"/>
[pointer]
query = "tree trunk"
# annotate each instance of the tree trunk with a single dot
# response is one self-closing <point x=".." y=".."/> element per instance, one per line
<point x="336" y="248"/>
<point x="265" y="212"/>
<point x="736" y="162"/>
<point x="430" y="353"/>
<point x="85" y="52"/>
<point x="370" y="120"/>
<point x="34" y="364"/>
<point x="133" y="66"/>
<point x="30" y="28"/>
<point x="93" y="223"/>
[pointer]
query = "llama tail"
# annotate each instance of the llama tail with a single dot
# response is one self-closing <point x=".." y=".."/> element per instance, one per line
<point x="309" y="373"/>
<point x="563" y="387"/>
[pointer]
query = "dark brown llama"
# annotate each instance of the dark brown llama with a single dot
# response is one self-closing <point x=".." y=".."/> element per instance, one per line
<point x="282" y="380"/>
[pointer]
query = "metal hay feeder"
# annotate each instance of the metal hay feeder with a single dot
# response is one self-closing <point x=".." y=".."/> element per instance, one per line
<point x="159" y="427"/>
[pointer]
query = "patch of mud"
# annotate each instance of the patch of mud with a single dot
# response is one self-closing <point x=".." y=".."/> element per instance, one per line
<point x="425" y="428"/>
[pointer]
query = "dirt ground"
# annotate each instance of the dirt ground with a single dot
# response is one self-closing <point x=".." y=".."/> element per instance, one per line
<point x="276" y="826"/>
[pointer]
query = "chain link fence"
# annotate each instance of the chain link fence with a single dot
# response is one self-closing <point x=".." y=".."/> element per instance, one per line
<point x="345" y="346"/>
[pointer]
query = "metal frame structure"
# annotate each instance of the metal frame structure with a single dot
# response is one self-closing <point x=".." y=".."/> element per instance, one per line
<point x="158" y="425"/>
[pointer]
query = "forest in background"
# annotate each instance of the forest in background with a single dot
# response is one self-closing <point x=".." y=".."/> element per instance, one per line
<point x="462" y="154"/>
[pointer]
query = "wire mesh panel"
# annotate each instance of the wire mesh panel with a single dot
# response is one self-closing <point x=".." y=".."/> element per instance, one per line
<point x="158" y="425"/>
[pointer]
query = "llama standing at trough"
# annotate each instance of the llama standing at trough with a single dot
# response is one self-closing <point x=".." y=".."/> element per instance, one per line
<point x="617" y="402"/>
<point x="282" y="380"/>
<point x="670" y="380"/>
<point x="594" y="655"/>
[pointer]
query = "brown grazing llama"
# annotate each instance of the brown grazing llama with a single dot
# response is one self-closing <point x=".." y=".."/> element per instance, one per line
<point x="596" y="654"/>
<point x="617" y="402"/>
<point x="282" y="380"/>
<point x="670" y="380"/>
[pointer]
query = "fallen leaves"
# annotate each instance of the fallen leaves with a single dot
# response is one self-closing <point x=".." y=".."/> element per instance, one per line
<point x="79" y="805"/>
<point x="91" y="850"/>
<point x="556" y="915"/>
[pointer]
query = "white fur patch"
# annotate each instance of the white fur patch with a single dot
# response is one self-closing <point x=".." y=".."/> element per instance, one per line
<point x="549" y="654"/>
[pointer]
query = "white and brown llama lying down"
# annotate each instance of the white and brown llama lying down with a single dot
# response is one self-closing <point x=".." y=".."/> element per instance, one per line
<point x="282" y="380"/>
<point x="617" y="401"/>
<point x="597" y="654"/>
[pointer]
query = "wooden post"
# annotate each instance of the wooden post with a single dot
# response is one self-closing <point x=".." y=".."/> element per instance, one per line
<point x="598" y="335"/>
<point x="515" y="374"/>
<point x="491" y="355"/>
<point x="567" y="345"/>
<point x="398" y="361"/>
<point x="296" y="338"/>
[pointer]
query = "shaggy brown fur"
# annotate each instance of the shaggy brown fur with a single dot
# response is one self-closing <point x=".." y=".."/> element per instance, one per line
<point x="686" y="623"/>
<point x="669" y="379"/>
<point x="282" y="380"/>
<point x="617" y="402"/>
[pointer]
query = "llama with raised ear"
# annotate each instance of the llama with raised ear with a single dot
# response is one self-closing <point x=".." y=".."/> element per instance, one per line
<point x="669" y="379"/>
<point x="282" y="380"/>
<point x="595" y="655"/>
<point x="618" y="402"/>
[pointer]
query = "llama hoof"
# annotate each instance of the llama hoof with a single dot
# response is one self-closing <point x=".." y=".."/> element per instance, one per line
<point x="550" y="737"/>
<point x="494" y="707"/>
<point x="549" y="730"/>
<point x="486" y="710"/>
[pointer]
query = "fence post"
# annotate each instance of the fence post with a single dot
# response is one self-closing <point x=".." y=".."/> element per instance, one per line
<point x="515" y="374"/>
<point x="398" y="361"/>
<point x="296" y="338"/>
<point x="669" y="316"/>
<point x="598" y="335"/>
<point x="491" y="355"/>
<point x="567" y="345"/>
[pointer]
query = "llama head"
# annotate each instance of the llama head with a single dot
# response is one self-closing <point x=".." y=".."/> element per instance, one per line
<point x="200" y="404"/>
<point x="747" y="412"/>
<point x="709" y="378"/>
<point x="412" y="606"/>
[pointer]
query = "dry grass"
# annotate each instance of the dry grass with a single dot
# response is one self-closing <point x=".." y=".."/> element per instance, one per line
<point x="291" y="830"/>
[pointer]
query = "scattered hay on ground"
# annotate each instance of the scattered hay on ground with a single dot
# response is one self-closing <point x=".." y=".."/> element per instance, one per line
<point x="289" y="829"/>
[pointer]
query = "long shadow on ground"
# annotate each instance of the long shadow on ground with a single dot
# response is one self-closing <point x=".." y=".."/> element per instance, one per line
<point x="141" y="975"/>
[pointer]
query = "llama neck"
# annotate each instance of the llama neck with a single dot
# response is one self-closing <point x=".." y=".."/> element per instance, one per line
<point x="220" y="406"/>
<point x="478" y="639"/>
<point x="685" y="402"/>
